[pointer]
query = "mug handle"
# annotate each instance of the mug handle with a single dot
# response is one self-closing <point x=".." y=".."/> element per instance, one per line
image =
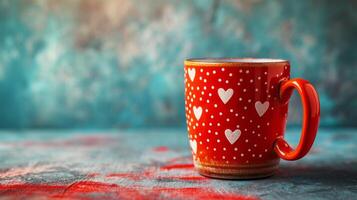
<point x="311" y="117"/>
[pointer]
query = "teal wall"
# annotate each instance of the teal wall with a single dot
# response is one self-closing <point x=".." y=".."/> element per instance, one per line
<point x="118" y="63"/>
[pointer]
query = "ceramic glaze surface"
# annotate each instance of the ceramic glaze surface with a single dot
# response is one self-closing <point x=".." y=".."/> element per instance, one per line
<point x="234" y="114"/>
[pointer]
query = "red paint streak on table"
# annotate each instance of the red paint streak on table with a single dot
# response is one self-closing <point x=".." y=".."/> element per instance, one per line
<point x="95" y="190"/>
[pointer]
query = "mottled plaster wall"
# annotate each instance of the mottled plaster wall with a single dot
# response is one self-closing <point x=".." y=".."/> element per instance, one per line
<point x="118" y="63"/>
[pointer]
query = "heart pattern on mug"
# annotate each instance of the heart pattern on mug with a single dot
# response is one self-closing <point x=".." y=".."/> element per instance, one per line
<point x="193" y="145"/>
<point x="232" y="136"/>
<point x="197" y="111"/>
<point x="225" y="95"/>
<point x="261" y="108"/>
<point x="192" y="73"/>
<point x="231" y="112"/>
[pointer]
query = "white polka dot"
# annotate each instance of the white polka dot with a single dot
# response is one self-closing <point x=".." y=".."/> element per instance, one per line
<point x="265" y="73"/>
<point x="241" y="80"/>
<point x="260" y="155"/>
<point x="268" y="123"/>
<point x="200" y="142"/>
<point x="223" y="157"/>
<point x="227" y="81"/>
<point x="234" y="157"/>
<point x="243" y="117"/>
<point x="218" y="124"/>
<point x="198" y="88"/>
<point x="207" y="73"/>
<point x="253" y="155"/>
<point x="209" y="131"/>
<point x="244" y="90"/>
<point x="222" y="69"/>
<point x="200" y="98"/>
<point x="247" y="71"/>
<point x="200" y="78"/>
<point x="202" y="92"/>
<point x="203" y="124"/>
<point x="207" y="101"/>
<point x="255" y="145"/>
<point x="245" y="108"/>
<point x="249" y="150"/>
<point x="220" y="113"/>
<point x="212" y="116"/>
<point x="265" y="83"/>
<point x="215" y="105"/>
<point x="256" y="89"/>
<point x="240" y="71"/>
<point x="230" y="74"/>
<point x="236" y="114"/>
<point x="214" y="72"/>
<point x="240" y="99"/>
<point x="201" y="70"/>
<point x="266" y="150"/>
<point x="259" y="77"/>
<point x="218" y="141"/>
<point x="231" y="110"/>
<point x="205" y="80"/>
<point x="205" y="88"/>
<point x="241" y="154"/>
<point x="246" y="140"/>
<point x="258" y="126"/>
<point x="210" y="94"/>
<point x="207" y="140"/>
<point x="199" y="134"/>
<point x="219" y="80"/>
<point x="210" y="124"/>
<point x="212" y="87"/>
<point x="206" y="110"/>
<point x="236" y="149"/>
<point x="238" y="83"/>
<point x="214" y="149"/>
<point x="224" y="148"/>
<point x="249" y="100"/>
<point x="216" y="133"/>
<point x="227" y="119"/>
<point x="237" y="126"/>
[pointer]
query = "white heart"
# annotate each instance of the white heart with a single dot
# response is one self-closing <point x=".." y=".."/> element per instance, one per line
<point x="193" y="145"/>
<point x="225" y="95"/>
<point x="232" y="137"/>
<point x="261" y="107"/>
<point x="197" y="111"/>
<point x="192" y="73"/>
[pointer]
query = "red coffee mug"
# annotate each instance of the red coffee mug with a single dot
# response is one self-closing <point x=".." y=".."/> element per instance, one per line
<point x="236" y="111"/>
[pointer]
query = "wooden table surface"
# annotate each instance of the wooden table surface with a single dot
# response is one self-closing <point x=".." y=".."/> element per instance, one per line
<point x="157" y="164"/>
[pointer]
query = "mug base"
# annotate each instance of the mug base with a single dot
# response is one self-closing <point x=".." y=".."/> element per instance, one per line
<point x="238" y="172"/>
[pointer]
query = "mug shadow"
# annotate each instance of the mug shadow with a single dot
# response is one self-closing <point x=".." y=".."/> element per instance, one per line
<point x="339" y="174"/>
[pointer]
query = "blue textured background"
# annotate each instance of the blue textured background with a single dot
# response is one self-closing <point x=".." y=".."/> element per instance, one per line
<point x="110" y="64"/>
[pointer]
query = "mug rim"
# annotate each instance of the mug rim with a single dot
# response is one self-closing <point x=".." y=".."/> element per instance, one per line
<point x="234" y="61"/>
